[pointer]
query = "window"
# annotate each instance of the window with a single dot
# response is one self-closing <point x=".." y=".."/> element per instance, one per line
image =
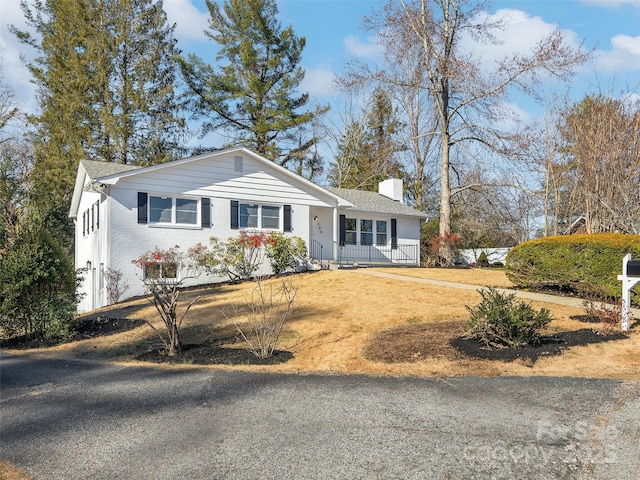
<point x="85" y="222"/>
<point x="350" y="226"/>
<point x="381" y="232"/>
<point x="186" y="211"/>
<point x="259" y="216"/>
<point x="161" y="270"/>
<point x="248" y="215"/>
<point x="161" y="210"/>
<point x="366" y="232"/>
<point x="270" y="217"/>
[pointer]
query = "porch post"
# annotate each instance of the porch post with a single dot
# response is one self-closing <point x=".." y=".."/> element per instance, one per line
<point x="336" y="233"/>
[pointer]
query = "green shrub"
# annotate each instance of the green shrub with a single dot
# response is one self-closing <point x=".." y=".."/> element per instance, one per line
<point x="483" y="261"/>
<point x="566" y="262"/>
<point x="285" y="253"/>
<point x="239" y="257"/>
<point x="501" y="321"/>
<point x="37" y="286"/>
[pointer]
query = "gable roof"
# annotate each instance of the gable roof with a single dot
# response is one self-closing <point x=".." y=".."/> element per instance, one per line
<point x="374" y="202"/>
<point x="106" y="173"/>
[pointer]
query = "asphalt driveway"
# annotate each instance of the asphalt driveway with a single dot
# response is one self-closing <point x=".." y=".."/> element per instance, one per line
<point x="69" y="419"/>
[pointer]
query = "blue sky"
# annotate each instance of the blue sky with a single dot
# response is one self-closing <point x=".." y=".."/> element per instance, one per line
<point x="334" y="33"/>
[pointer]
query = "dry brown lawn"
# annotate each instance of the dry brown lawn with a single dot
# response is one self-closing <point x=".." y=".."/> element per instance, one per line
<point x="472" y="276"/>
<point x="345" y="322"/>
<point x="9" y="472"/>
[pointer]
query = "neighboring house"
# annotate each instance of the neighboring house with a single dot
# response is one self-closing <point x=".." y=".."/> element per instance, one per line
<point x="122" y="211"/>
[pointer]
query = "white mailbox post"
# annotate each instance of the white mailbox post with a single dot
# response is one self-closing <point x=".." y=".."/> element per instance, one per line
<point x="630" y="276"/>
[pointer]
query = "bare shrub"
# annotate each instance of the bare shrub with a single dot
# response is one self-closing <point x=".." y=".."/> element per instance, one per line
<point x="596" y="304"/>
<point x="266" y="311"/>
<point x="114" y="285"/>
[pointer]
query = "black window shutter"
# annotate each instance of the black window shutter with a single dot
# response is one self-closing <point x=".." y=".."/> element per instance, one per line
<point x="97" y="214"/>
<point x="84" y="223"/>
<point x="205" y="205"/>
<point x="142" y="207"/>
<point x="343" y="230"/>
<point x="235" y="214"/>
<point x="394" y="233"/>
<point x="287" y="218"/>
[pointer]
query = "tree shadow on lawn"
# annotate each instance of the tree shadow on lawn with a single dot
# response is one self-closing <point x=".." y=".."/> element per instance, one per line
<point x="549" y="346"/>
<point x="212" y="347"/>
<point x="417" y="342"/>
<point x="198" y="354"/>
<point x="81" y="329"/>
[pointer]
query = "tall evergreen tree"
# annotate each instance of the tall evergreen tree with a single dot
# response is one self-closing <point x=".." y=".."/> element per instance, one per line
<point x="141" y="123"/>
<point x="106" y="86"/>
<point x="367" y="150"/>
<point x="252" y="94"/>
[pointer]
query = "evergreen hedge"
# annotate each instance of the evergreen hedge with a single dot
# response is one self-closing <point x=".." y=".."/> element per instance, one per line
<point x="574" y="263"/>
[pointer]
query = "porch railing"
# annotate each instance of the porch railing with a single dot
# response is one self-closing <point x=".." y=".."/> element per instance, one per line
<point x="380" y="254"/>
<point x="315" y="252"/>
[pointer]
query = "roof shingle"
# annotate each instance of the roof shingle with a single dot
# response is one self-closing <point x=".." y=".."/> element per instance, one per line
<point x="375" y="203"/>
<point x="97" y="169"/>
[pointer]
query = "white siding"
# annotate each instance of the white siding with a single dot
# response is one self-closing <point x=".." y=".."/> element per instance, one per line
<point x="91" y="246"/>
<point x="217" y="181"/>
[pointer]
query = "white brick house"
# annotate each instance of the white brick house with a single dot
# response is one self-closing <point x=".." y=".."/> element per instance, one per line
<point x="122" y="211"/>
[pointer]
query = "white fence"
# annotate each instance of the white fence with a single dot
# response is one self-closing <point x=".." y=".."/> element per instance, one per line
<point x="470" y="255"/>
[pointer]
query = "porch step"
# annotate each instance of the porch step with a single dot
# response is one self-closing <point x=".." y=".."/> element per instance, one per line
<point x="315" y="265"/>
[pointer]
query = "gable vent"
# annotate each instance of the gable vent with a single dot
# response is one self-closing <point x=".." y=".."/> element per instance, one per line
<point x="237" y="164"/>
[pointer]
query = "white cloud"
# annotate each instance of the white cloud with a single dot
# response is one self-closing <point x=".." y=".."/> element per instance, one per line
<point x="623" y="56"/>
<point x="356" y="47"/>
<point x="520" y="33"/>
<point x="318" y="82"/>
<point x="190" y="22"/>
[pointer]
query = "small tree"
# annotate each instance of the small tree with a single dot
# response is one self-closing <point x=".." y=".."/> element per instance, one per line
<point x="285" y="253"/>
<point x="114" y="285"/>
<point x="162" y="274"/>
<point x="447" y="241"/>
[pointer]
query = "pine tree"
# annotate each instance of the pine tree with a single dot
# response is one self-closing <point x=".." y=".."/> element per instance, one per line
<point x="140" y="123"/>
<point x="252" y="94"/>
<point x="367" y="149"/>
<point x="105" y="75"/>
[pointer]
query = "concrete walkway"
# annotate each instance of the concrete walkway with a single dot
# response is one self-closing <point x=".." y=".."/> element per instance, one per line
<point x="538" y="297"/>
